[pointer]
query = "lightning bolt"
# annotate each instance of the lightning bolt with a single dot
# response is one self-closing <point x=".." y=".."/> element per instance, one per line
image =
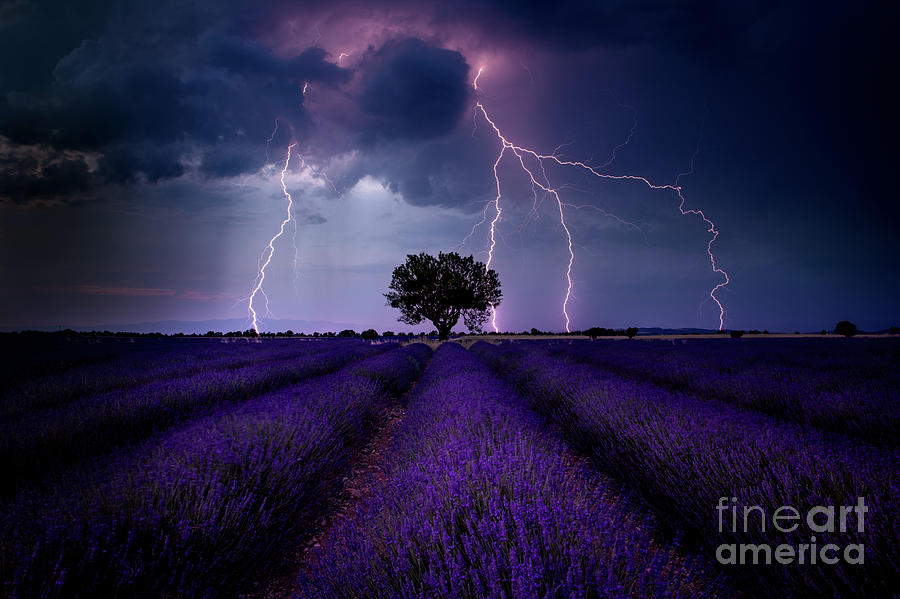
<point x="712" y="229"/>
<point x="634" y="124"/>
<point x="270" y="247"/>
<point x="269" y="250"/>
<point x="494" y="222"/>
<point x="608" y="214"/>
<point x="268" y="141"/>
<point x="477" y="75"/>
<point x="519" y="154"/>
<point x="303" y="164"/>
<point x="294" y="220"/>
<point x="538" y="160"/>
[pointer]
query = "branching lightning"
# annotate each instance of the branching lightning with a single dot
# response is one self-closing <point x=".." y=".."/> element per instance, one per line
<point x="609" y="214"/>
<point x="532" y="164"/>
<point x="627" y="141"/>
<point x="712" y="229"/>
<point x="268" y="141"/>
<point x="519" y="153"/>
<point x="261" y="275"/>
<point x="269" y="250"/>
<point x="293" y="220"/>
<point x="494" y="229"/>
<point x="529" y="160"/>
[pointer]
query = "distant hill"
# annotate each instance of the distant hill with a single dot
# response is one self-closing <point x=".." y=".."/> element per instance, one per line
<point x="224" y="325"/>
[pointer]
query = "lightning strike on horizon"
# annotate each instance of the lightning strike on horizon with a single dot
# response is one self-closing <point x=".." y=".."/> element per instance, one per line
<point x="494" y="222"/>
<point x="712" y="229"/>
<point x="269" y="249"/>
<point x="521" y="152"/>
<point x="535" y="184"/>
<point x="261" y="275"/>
<point x="341" y="57"/>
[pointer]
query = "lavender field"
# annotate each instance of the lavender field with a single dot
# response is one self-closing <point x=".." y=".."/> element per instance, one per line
<point x="544" y="468"/>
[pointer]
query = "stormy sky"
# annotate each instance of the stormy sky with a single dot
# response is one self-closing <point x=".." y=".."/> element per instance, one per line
<point x="142" y="145"/>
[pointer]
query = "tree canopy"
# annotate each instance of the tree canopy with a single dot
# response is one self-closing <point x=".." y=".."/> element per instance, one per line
<point x="845" y="328"/>
<point x="443" y="288"/>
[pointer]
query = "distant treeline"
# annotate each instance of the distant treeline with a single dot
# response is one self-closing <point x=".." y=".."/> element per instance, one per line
<point x="843" y="328"/>
<point x="367" y="334"/>
<point x="247" y="333"/>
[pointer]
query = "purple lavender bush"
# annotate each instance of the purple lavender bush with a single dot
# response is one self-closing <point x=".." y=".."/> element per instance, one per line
<point x="43" y="440"/>
<point x="160" y="361"/>
<point x="480" y="501"/>
<point x="209" y="506"/>
<point x="684" y="453"/>
<point x="836" y="385"/>
<point x="30" y="355"/>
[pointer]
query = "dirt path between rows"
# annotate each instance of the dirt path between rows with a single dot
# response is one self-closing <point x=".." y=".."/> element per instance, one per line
<point x="366" y="470"/>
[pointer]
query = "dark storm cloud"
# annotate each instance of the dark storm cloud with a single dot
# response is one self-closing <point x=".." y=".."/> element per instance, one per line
<point x="146" y="85"/>
<point x="414" y="90"/>
<point x="709" y="30"/>
<point x="715" y="31"/>
<point x="448" y="173"/>
<point x="231" y="159"/>
<point x="120" y="163"/>
<point x="35" y="35"/>
<point x="404" y="117"/>
<point x="451" y="171"/>
<point x="251" y="59"/>
<point x="27" y="178"/>
<point x="141" y="97"/>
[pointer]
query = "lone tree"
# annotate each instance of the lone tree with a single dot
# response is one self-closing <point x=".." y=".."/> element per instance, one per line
<point x="845" y="328"/>
<point x="442" y="288"/>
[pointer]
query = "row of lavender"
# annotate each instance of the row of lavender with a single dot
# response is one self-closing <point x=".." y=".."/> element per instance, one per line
<point x="205" y="507"/>
<point x="684" y="453"/>
<point x="33" y="355"/>
<point x="41" y="441"/>
<point x="848" y="386"/>
<point x="482" y="500"/>
<point x="160" y="360"/>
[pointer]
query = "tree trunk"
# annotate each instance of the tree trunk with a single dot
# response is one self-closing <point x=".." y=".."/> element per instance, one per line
<point x="444" y="324"/>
